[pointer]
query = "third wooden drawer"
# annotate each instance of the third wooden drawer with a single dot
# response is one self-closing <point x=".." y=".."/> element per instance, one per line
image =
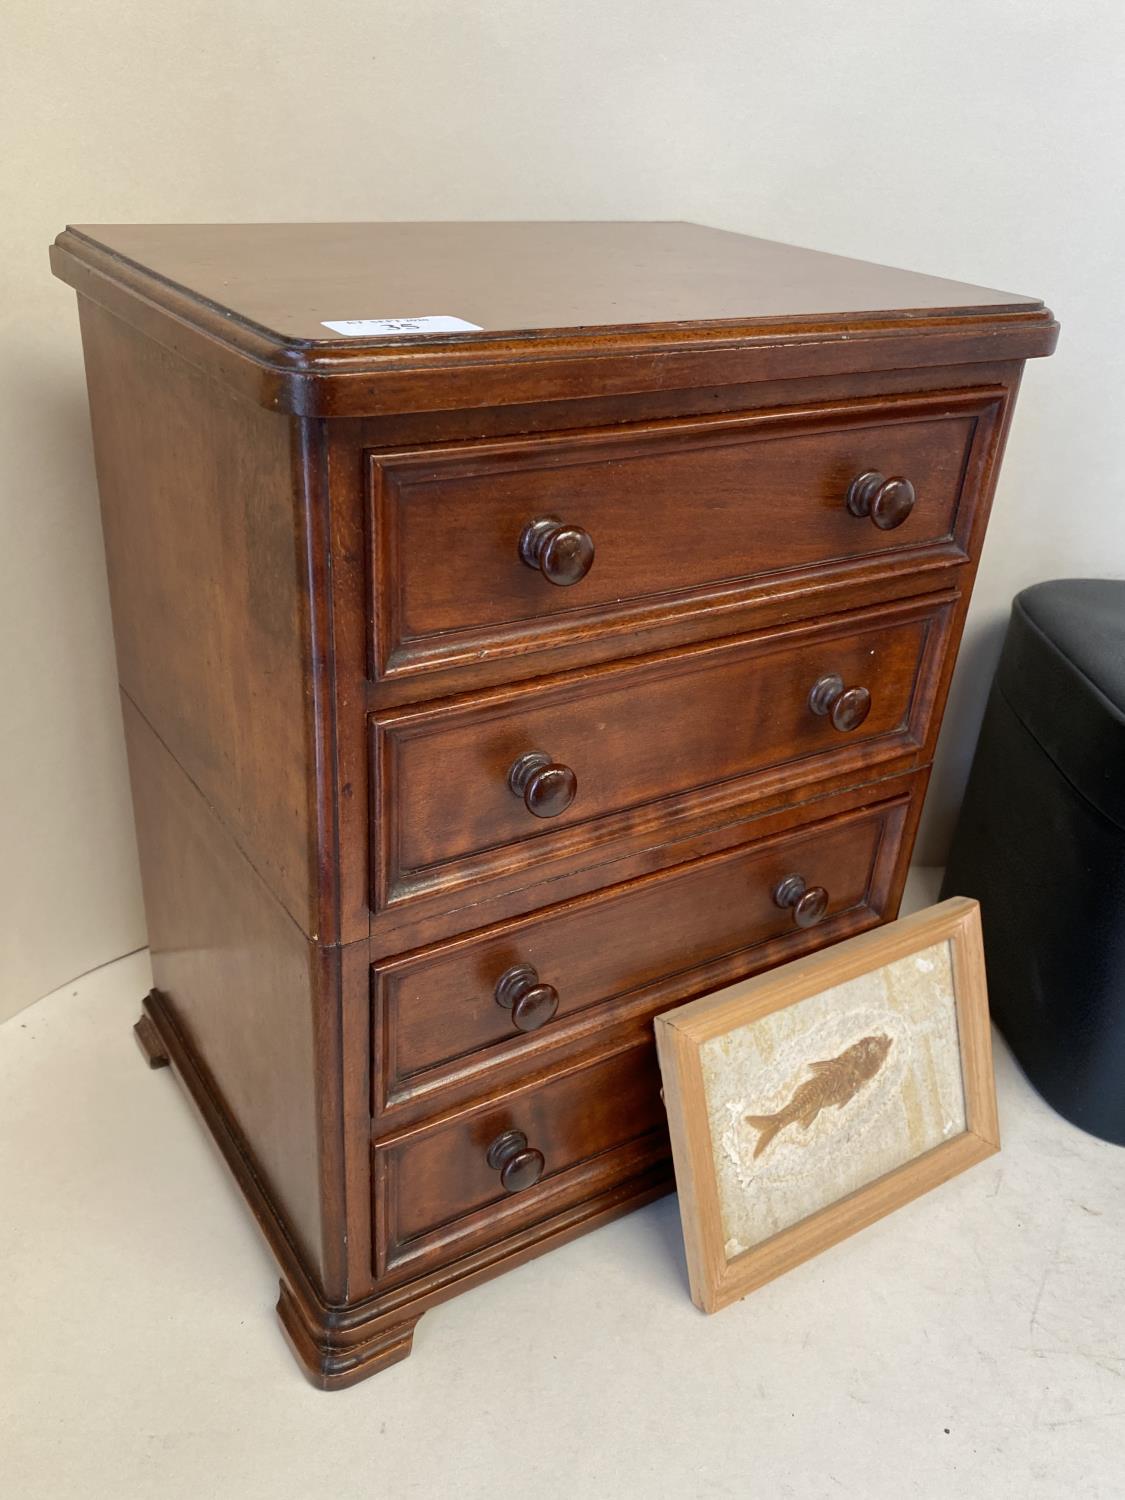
<point x="448" y="1019"/>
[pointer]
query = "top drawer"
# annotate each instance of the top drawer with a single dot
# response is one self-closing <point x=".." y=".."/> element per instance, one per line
<point x="681" y="517"/>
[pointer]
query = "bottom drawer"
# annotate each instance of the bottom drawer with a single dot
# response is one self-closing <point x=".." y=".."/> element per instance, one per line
<point x="449" y="1187"/>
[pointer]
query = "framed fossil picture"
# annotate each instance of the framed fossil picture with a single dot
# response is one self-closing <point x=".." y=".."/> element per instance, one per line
<point x="810" y="1101"/>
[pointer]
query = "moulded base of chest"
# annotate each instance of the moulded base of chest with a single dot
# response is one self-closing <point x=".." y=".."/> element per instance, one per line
<point x="337" y="1345"/>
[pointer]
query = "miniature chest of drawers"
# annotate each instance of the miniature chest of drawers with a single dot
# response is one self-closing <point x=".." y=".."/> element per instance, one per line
<point x="491" y="685"/>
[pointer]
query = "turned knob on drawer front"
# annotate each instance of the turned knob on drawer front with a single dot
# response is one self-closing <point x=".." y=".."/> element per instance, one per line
<point x="546" y="787"/>
<point x="520" y="1165"/>
<point x="532" y="1004"/>
<point x="846" y="707"/>
<point x="563" y="554"/>
<point x="808" y="903"/>
<point x="886" y="502"/>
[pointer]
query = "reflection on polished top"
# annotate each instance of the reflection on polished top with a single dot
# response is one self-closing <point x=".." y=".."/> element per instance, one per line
<point x="521" y="277"/>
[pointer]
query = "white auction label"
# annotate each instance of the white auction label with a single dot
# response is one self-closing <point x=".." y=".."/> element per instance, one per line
<point x="366" y="328"/>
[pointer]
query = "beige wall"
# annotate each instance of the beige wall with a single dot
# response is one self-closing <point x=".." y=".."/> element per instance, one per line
<point x="980" y="139"/>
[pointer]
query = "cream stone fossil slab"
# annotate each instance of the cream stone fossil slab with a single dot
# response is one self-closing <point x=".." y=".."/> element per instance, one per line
<point x="807" y="1102"/>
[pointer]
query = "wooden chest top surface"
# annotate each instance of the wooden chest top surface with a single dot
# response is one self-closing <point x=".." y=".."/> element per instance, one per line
<point x="561" y="310"/>
<point x="523" y="279"/>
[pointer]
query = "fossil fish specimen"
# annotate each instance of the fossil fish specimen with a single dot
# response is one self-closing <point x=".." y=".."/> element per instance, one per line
<point x="835" y="1082"/>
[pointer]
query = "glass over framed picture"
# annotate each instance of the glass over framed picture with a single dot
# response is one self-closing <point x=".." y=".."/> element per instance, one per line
<point x="810" y="1101"/>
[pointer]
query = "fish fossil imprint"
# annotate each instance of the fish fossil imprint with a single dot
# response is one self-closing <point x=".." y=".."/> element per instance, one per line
<point x="835" y="1082"/>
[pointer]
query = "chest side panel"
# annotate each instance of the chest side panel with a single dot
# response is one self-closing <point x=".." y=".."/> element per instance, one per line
<point x="207" y="575"/>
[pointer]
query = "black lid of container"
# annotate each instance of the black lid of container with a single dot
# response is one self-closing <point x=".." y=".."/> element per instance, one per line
<point x="1063" y="672"/>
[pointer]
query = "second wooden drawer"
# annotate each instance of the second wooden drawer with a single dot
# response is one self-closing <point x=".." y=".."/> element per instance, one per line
<point x="639" y="748"/>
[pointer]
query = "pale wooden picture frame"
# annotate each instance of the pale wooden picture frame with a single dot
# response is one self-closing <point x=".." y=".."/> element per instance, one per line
<point x="718" y="1277"/>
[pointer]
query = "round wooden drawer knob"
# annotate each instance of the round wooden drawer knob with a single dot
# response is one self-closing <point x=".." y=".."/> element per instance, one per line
<point x="808" y="903"/>
<point x="532" y="1004"/>
<point x="887" y="502"/>
<point x="846" y="707"/>
<point x="546" y="787"/>
<point x="563" y="554"/>
<point x="520" y="1165"/>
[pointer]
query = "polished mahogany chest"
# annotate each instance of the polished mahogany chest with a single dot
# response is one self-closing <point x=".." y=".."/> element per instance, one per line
<point x="488" y="691"/>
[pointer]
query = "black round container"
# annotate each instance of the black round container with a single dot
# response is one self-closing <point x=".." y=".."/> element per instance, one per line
<point x="1040" y="843"/>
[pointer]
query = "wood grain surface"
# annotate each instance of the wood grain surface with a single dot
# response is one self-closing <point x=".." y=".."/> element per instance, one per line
<point x="565" y="309"/>
<point x="520" y="277"/>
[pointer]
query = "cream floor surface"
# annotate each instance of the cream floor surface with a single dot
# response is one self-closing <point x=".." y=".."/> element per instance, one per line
<point x="971" y="1345"/>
